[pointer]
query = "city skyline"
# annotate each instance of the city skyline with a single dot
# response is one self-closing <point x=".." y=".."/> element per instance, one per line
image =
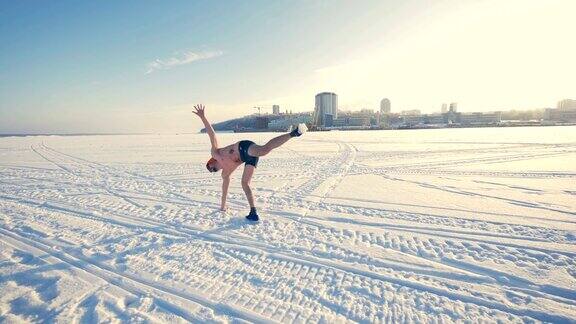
<point x="114" y="67"/>
<point x="327" y="115"/>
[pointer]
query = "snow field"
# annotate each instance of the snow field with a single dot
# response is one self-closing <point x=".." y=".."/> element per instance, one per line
<point x="423" y="226"/>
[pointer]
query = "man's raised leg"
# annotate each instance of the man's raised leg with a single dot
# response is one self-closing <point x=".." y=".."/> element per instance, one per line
<point x="261" y="150"/>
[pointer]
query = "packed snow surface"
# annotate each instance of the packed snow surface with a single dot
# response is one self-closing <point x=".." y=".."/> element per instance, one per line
<point x="448" y="225"/>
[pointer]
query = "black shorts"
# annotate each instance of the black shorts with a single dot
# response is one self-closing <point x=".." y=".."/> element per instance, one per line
<point x="244" y="156"/>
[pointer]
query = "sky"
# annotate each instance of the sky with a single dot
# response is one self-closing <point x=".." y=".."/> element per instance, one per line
<point x="140" y="66"/>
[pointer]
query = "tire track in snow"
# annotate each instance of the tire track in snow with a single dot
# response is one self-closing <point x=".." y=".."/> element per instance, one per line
<point x="133" y="284"/>
<point x="350" y="164"/>
<point x="268" y="252"/>
<point x="71" y="171"/>
<point x="483" y="160"/>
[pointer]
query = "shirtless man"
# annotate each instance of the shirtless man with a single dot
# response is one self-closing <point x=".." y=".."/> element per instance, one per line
<point x="228" y="158"/>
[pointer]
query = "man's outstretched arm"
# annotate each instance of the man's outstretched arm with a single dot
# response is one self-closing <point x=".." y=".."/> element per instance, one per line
<point x="200" y="112"/>
<point x="225" y="185"/>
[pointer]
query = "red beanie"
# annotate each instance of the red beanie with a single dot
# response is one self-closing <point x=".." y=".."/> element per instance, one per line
<point x="209" y="162"/>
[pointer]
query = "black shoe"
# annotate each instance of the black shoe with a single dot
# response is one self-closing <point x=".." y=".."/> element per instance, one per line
<point x="252" y="217"/>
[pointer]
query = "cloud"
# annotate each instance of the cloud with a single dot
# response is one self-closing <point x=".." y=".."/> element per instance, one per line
<point x="181" y="59"/>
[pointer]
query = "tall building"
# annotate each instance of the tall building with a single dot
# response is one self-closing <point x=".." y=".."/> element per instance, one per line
<point x="444" y="108"/>
<point x="565" y="112"/>
<point x="453" y="107"/>
<point x="325" y="109"/>
<point x="276" y="110"/>
<point x="385" y="106"/>
<point x="566" y="104"/>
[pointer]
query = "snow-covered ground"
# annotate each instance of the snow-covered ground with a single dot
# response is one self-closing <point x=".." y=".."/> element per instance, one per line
<point x="403" y="226"/>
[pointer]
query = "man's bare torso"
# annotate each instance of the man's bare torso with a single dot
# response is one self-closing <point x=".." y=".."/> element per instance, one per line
<point x="228" y="157"/>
